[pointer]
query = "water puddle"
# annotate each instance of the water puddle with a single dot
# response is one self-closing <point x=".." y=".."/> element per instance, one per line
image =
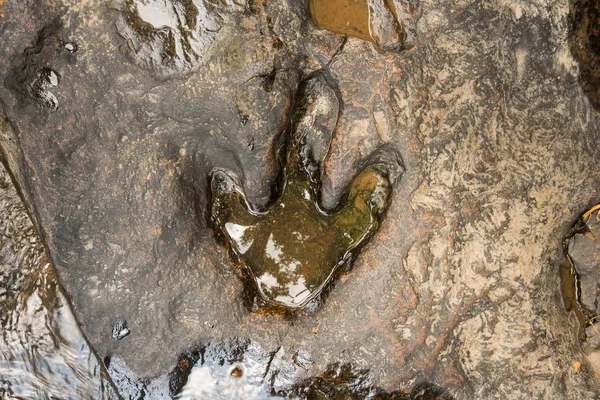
<point x="386" y="23"/>
<point x="237" y="369"/>
<point x="43" y="354"/>
<point x="293" y="249"/>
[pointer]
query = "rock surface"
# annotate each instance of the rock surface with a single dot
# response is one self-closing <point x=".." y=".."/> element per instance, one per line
<point x="459" y="287"/>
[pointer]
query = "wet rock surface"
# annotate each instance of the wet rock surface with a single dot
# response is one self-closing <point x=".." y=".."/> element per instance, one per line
<point x="459" y="287"/>
<point x="241" y="369"/>
<point x="583" y="250"/>
<point x="585" y="45"/>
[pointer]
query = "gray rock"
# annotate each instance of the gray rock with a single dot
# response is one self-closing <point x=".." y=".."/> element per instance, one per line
<point x="459" y="287"/>
<point x="584" y="250"/>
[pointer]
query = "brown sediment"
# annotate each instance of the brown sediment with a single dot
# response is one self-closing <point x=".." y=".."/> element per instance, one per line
<point x="377" y="21"/>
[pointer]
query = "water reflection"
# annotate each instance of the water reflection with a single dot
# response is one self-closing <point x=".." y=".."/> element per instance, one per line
<point x="222" y="373"/>
<point x="173" y="37"/>
<point x="293" y="250"/>
<point x="241" y="369"/>
<point x="43" y="354"/>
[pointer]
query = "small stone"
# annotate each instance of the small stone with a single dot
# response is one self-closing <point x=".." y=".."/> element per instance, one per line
<point x="237" y="372"/>
<point x="52" y="78"/>
<point x="120" y="330"/>
<point x="71" y="47"/>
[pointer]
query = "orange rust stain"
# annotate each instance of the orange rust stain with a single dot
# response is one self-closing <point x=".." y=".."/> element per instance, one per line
<point x="315" y="328"/>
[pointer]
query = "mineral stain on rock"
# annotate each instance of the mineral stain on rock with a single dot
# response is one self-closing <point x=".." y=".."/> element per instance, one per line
<point x="292" y="250"/>
<point x="382" y="22"/>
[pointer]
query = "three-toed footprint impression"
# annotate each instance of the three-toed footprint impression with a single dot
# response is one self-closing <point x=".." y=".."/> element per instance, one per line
<point x="292" y="250"/>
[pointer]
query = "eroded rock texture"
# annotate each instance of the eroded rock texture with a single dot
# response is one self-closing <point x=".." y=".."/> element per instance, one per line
<point x="460" y="286"/>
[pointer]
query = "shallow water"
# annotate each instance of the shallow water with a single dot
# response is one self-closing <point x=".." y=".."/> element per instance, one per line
<point x="241" y="369"/>
<point x="381" y="22"/>
<point x="43" y="353"/>
<point x="293" y="250"/>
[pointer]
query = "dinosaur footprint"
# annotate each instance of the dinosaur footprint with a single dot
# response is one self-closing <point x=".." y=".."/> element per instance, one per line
<point x="292" y="250"/>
